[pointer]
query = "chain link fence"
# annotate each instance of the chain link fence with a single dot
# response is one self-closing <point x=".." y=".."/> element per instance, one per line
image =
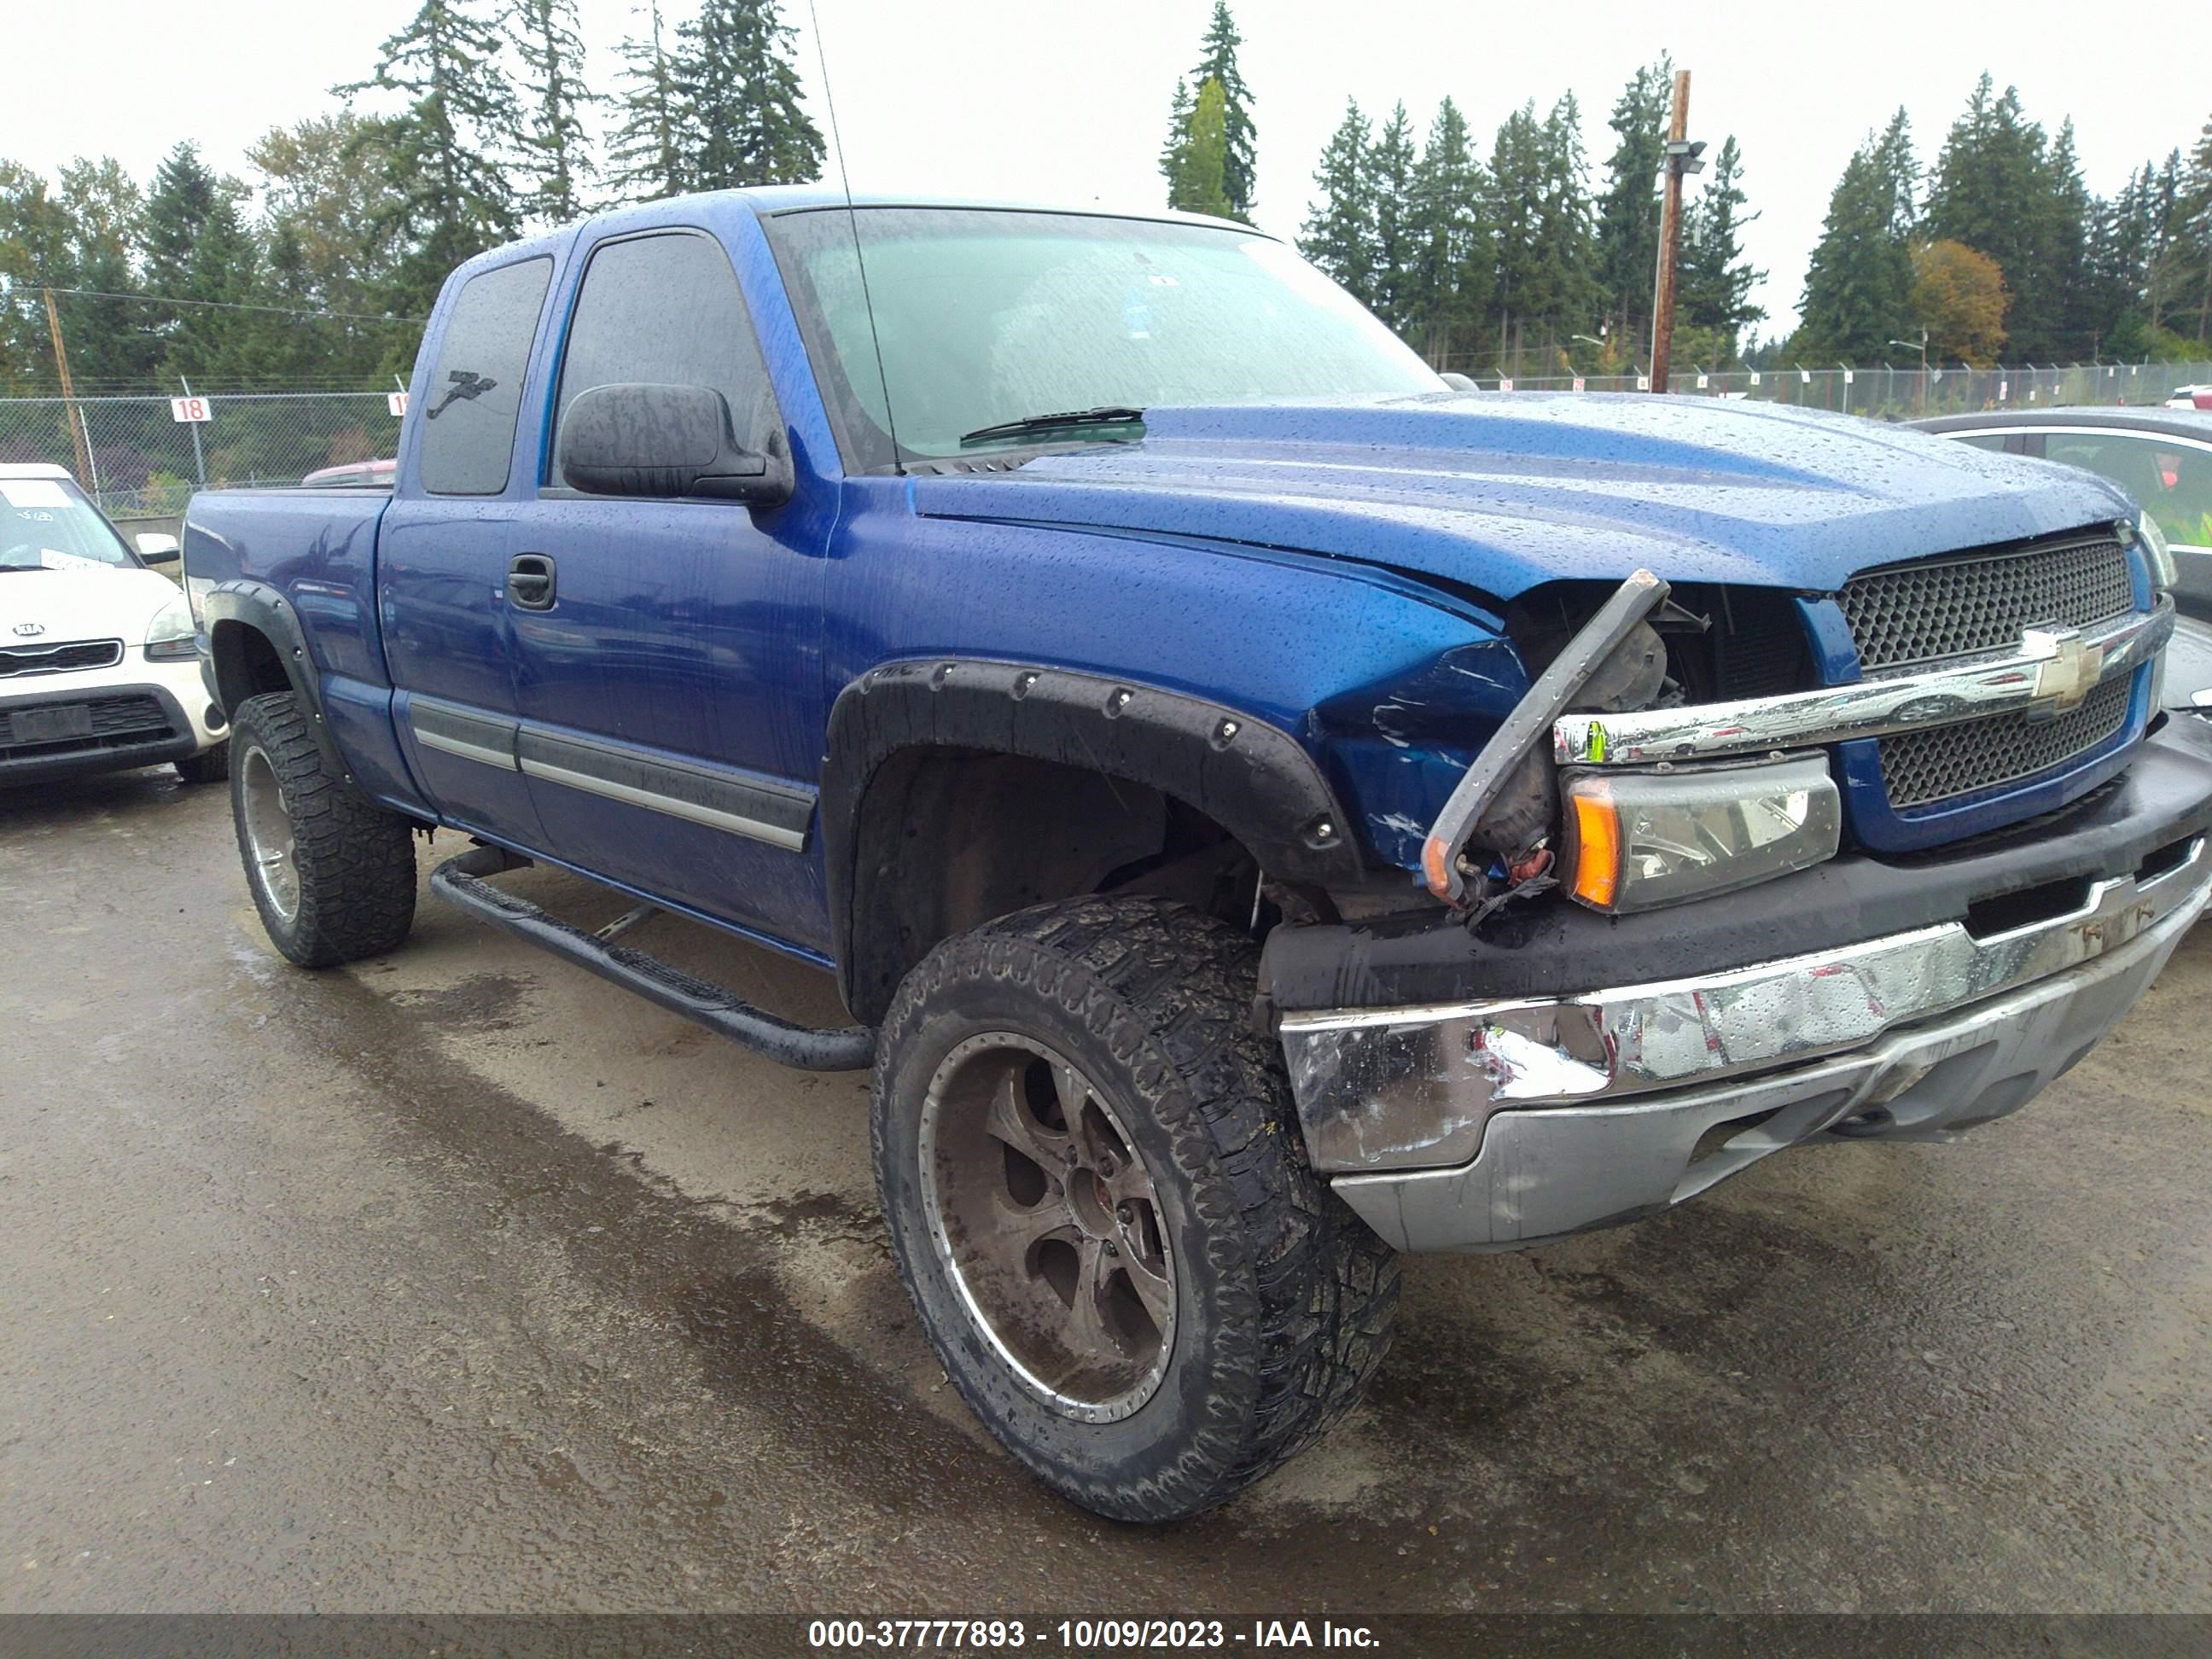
<point x="139" y="459"/>
<point x="1901" y="394"/>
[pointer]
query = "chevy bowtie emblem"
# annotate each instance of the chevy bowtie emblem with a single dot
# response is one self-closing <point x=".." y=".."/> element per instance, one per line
<point x="30" y="630"/>
<point x="2069" y="673"/>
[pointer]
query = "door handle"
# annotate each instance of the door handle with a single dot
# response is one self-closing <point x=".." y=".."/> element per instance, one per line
<point x="530" y="581"/>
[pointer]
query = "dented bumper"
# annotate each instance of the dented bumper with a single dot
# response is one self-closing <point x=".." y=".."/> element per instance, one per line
<point x="1492" y="1122"/>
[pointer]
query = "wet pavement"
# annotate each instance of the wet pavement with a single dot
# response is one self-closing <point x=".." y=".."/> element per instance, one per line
<point x="460" y="1280"/>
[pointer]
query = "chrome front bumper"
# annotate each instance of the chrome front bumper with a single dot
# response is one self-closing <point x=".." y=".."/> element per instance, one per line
<point x="1495" y="1125"/>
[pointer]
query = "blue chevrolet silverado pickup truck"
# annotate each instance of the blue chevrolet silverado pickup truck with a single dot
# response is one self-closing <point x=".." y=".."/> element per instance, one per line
<point x="1266" y="807"/>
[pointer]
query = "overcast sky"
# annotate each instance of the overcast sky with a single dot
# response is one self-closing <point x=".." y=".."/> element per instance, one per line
<point x="1048" y="100"/>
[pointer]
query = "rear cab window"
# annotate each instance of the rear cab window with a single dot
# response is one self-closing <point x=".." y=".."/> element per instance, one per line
<point x="475" y="392"/>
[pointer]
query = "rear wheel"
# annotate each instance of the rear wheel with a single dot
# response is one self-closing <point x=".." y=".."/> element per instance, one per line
<point x="332" y="872"/>
<point x="1099" y="1204"/>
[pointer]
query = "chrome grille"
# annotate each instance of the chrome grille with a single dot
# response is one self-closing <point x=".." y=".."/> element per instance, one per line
<point x="1918" y="613"/>
<point x="1941" y="762"/>
<point x="59" y="658"/>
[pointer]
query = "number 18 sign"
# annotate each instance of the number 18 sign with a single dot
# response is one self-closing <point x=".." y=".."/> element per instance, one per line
<point x="190" y="410"/>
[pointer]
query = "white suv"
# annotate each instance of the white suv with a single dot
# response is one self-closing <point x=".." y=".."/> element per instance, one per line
<point x="99" y="669"/>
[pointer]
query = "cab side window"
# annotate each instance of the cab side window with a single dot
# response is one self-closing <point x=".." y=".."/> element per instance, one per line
<point x="665" y="309"/>
<point x="475" y="388"/>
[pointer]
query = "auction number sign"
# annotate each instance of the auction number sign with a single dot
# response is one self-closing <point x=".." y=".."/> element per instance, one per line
<point x="191" y="411"/>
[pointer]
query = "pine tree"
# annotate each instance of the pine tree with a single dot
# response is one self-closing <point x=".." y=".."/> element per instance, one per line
<point x="1568" y="293"/>
<point x="2117" y="259"/>
<point x="444" y="154"/>
<point x="1858" y="283"/>
<point x="1898" y="170"/>
<point x="1546" y="248"/>
<point x="1628" y="217"/>
<point x="1717" y="279"/>
<point x="646" y="155"/>
<point x="1999" y="189"/>
<point x="1339" y="234"/>
<point x="735" y="70"/>
<point x="1453" y="258"/>
<point x="1218" y="62"/>
<point x="198" y="250"/>
<point x="177" y="209"/>
<point x="310" y="349"/>
<point x="555" y="150"/>
<point x="112" y="341"/>
<point x="2193" y="232"/>
<point x="2166" y="271"/>
<point x="2074" y="301"/>
<point x="1201" y="181"/>
<point x="1390" y="185"/>
<point x="1179" y="114"/>
<point x="1516" y="185"/>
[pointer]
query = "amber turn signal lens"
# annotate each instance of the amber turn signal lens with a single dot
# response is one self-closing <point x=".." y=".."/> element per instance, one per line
<point x="1436" y="867"/>
<point x="1597" y="850"/>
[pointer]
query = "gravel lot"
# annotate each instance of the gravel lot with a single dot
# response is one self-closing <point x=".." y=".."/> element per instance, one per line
<point x="461" y="1281"/>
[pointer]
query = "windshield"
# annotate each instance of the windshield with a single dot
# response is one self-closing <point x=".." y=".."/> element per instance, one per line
<point x="46" y="524"/>
<point x="987" y="316"/>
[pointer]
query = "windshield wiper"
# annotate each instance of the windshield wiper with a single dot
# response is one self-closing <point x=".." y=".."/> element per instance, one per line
<point x="1108" y="414"/>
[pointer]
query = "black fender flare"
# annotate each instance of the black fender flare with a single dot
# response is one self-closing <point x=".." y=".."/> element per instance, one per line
<point x="1252" y="777"/>
<point x="260" y="608"/>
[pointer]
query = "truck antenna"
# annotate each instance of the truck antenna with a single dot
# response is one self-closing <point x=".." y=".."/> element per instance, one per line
<point x="852" y="218"/>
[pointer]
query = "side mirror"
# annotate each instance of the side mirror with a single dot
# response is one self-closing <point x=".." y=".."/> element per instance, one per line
<point x="156" y="548"/>
<point x="663" y="440"/>
<point x="1457" y="381"/>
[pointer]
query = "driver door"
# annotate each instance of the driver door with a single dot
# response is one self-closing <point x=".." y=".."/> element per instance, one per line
<point x="668" y="664"/>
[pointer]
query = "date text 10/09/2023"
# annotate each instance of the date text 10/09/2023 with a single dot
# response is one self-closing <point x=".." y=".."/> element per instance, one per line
<point x="1086" y="1635"/>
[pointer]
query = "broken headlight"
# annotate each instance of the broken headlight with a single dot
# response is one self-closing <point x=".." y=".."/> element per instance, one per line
<point x="1636" y="841"/>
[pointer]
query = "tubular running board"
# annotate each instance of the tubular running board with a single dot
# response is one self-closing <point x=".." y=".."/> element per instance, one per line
<point x="463" y="881"/>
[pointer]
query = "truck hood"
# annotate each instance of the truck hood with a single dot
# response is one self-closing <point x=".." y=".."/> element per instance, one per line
<point x="105" y="602"/>
<point x="1503" y="491"/>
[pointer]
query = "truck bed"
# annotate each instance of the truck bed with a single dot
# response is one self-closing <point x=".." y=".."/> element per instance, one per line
<point x="316" y="549"/>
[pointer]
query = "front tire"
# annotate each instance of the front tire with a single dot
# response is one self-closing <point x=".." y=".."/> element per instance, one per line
<point x="1100" y="1205"/>
<point x="332" y="872"/>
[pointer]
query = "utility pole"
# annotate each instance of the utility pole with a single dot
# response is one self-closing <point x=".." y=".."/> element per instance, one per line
<point x="1681" y="159"/>
<point x="68" y="391"/>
